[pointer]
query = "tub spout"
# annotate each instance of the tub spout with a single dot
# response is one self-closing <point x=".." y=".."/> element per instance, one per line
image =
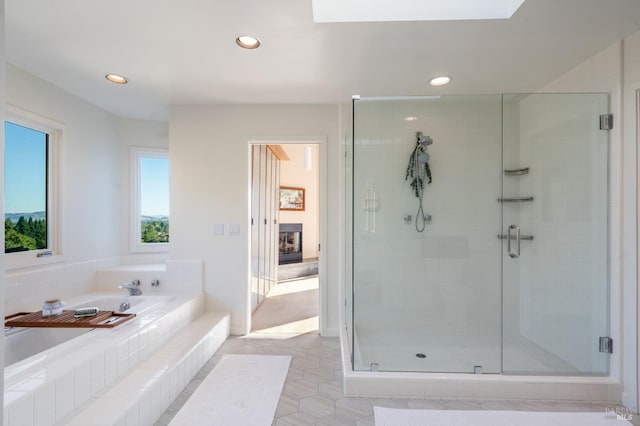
<point x="133" y="288"/>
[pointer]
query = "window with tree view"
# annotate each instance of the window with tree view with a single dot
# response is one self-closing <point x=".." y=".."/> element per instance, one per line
<point x="154" y="198"/>
<point x="25" y="189"/>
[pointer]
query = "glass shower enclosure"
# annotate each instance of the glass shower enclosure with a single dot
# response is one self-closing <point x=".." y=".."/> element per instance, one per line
<point x="479" y="234"/>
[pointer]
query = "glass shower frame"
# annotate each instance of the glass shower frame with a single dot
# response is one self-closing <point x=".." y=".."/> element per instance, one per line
<point x="467" y="307"/>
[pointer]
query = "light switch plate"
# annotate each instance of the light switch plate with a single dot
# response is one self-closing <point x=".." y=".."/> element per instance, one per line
<point x="234" y="229"/>
<point x="218" y="229"/>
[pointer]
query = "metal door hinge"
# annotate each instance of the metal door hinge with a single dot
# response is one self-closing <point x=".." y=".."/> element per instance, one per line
<point x="606" y="121"/>
<point x="606" y="345"/>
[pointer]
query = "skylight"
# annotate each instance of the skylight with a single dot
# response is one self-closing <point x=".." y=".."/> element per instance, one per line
<point x="412" y="10"/>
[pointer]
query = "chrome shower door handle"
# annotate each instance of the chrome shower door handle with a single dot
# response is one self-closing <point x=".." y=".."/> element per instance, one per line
<point x="516" y="253"/>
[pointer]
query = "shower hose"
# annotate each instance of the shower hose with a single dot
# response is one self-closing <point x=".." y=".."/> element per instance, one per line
<point x="420" y="175"/>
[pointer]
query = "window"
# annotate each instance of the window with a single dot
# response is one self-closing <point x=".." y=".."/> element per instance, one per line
<point x="30" y="189"/>
<point x="150" y="217"/>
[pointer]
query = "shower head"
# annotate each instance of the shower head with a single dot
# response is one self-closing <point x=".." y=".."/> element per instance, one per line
<point x="423" y="140"/>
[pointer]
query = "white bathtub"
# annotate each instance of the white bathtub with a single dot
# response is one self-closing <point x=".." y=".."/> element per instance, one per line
<point x="72" y="365"/>
<point x="22" y="343"/>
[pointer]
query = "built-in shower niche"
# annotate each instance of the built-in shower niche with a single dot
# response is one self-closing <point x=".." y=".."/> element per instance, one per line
<point x="471" y="290"/>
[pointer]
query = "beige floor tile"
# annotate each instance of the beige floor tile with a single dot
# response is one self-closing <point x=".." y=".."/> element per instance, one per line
<point x="335" y="420"/>
<point x="369" y="421"/>
<point x="317" y="406"/>
<point x="296" y="419"/>
<point x="286" y="406"/>
<point x="331" y="390"/>
<point x="390" y="403"/>
<point x="426" y="404"/>
<point x="299" y="390"/>
<point x="461" y="405"/>
<point x="354" y="407"/>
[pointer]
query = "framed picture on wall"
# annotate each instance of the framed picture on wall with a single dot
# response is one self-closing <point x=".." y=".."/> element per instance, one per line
<point x="291" y="198"/>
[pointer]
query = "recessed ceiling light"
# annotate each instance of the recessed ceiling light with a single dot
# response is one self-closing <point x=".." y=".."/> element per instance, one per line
<point x="247" y="42"/>
<point x="440" y="81"/>
<point x="411" y="118"/>
<point x="117" y="78"/>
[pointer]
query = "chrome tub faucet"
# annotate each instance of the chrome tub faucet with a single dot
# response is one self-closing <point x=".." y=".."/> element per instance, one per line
<point x="133" y="288"/>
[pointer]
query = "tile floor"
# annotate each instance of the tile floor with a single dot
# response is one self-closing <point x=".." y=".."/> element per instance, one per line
<point x="312" y="394"/>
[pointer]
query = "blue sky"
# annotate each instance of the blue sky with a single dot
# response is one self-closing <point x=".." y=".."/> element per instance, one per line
<point x="154" y="186"/>
<point x="24" y="169"/>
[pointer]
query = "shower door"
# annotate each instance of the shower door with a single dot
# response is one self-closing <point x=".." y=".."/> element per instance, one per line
<point x="554" y="234"/>
<point x="426" y="295"/>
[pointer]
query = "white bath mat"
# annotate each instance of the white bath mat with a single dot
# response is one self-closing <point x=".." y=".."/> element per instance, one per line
<point x="240" y="390"/>
<point x="407" y="417"/>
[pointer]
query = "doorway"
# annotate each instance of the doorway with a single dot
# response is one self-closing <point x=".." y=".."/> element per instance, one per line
<point x="285" y="239"/>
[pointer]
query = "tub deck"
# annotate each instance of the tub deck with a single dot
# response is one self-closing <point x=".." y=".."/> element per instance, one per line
<point x="45" y="387"/>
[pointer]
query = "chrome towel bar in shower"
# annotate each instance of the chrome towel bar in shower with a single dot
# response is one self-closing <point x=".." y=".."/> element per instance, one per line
<point x="516" y="172"/>
<point x="515" y="200"/>
<point x="522" y="237"/>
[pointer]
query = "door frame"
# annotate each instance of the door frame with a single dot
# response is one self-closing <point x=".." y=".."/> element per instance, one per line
<point x="321" y="141"/>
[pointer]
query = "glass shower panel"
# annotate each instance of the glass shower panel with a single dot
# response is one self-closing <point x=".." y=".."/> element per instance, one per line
<point x="554" y="204"/>
<point x="427" y="300"/>
<point x="348" y="232"/>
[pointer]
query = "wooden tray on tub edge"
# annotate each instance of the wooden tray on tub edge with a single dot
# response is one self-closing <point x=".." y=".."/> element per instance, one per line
<point x="104" y="319"/>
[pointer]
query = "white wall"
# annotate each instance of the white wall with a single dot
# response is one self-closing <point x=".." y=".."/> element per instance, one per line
<point x="94" y="189"/>
<point x="616" y="70"/>
<point x="293" y="173"/>
<point x="90" y="187"/>
<point x="631" y="296"/>
<point x="210" y="181"/>
<point x="137" y="133"/>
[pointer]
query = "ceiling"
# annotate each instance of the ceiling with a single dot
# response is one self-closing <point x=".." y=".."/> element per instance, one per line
<point x="183" y="52"/>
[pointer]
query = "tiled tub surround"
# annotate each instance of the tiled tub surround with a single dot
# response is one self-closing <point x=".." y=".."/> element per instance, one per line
<point x="26" y="289"/>
<point x="21" y="343"/>
<point x="46" y="387"/>
<point x="140" y="397"/>
<point x="476" y="386"/>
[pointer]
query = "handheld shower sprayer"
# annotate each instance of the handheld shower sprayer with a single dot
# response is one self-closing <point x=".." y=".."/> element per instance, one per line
<point x="423" y="158"/>
<point x="420" y="172"/>
<point x="423" y="140"/>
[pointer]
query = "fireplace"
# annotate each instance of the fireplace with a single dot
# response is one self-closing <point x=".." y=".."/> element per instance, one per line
<point x="290" y="246"/>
